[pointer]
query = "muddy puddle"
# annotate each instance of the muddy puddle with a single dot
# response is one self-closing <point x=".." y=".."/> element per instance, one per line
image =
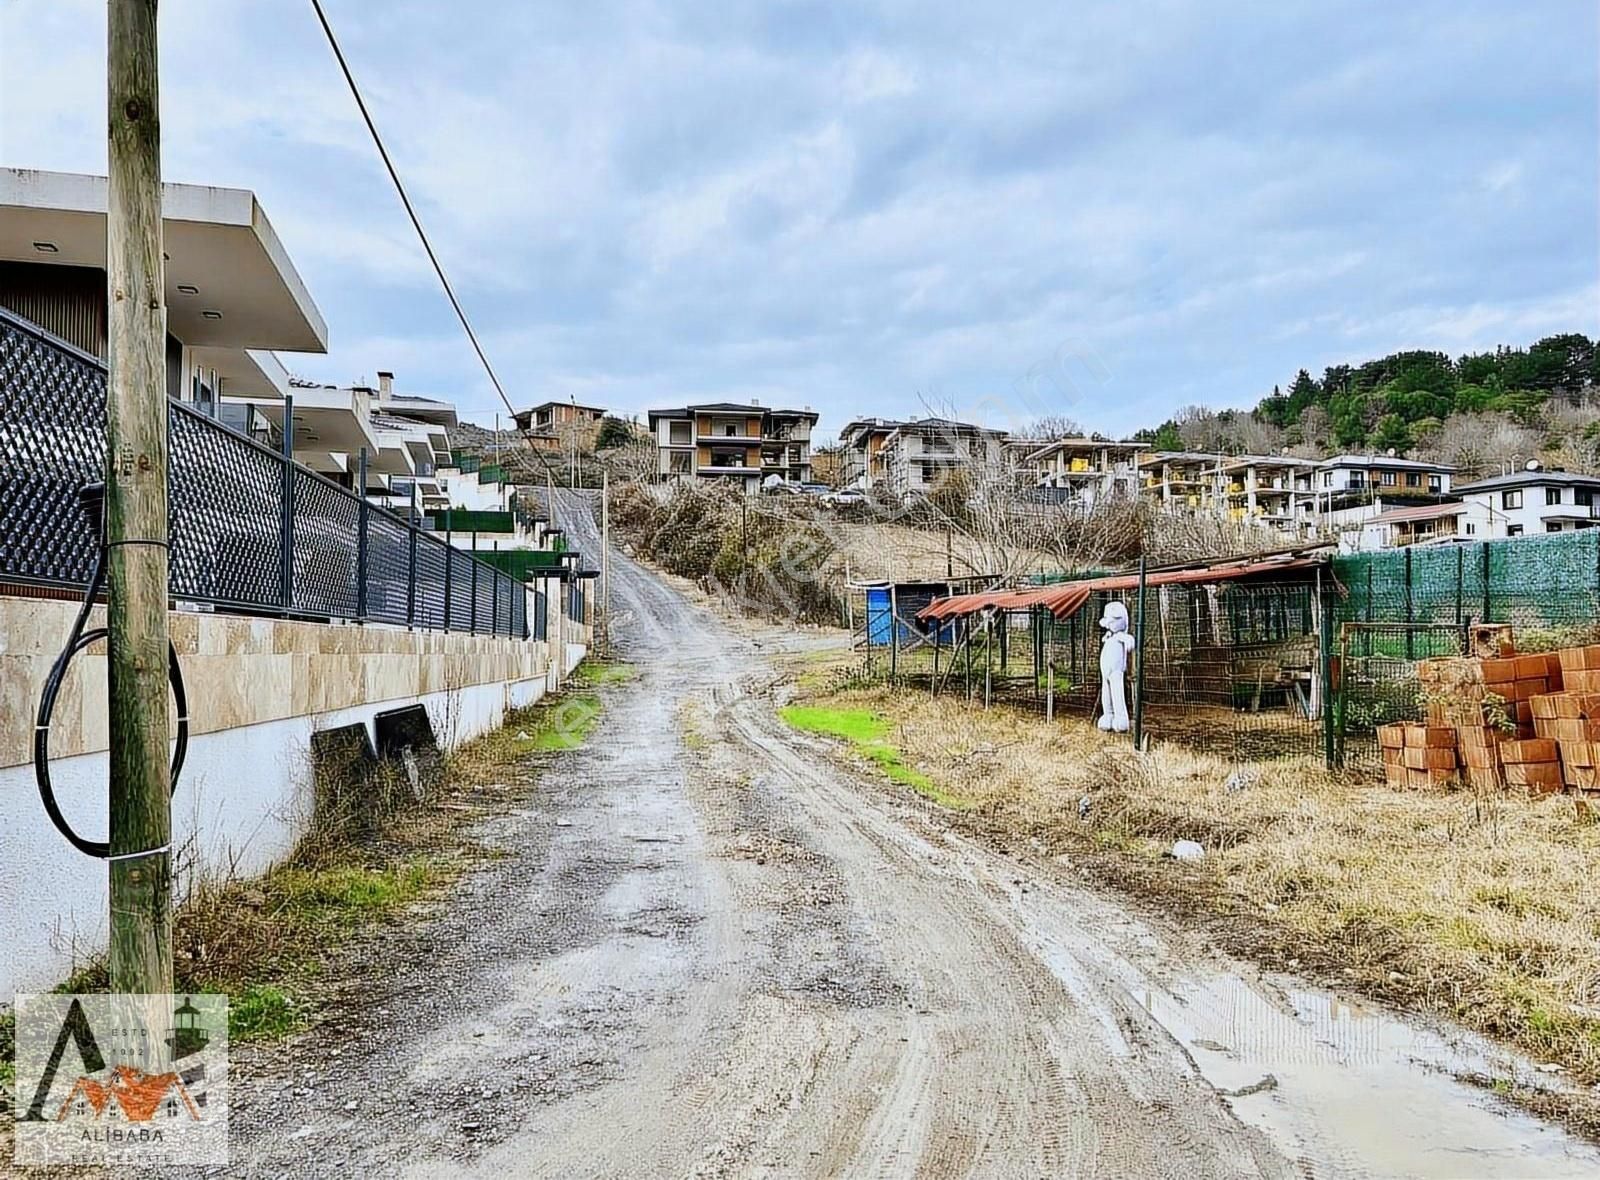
<point x="1344" y="1085"/>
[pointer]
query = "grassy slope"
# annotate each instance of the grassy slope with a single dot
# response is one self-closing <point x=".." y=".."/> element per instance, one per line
<point x="1480" y="907"/>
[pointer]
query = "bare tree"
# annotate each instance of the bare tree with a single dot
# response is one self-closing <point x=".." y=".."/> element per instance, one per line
<point x="1201" y="428"/>
<point x="1480" y="444"/>
<point x="1053" y="426"/>
<point x="1251" y="435"/>
<point x="1314" y="432"/>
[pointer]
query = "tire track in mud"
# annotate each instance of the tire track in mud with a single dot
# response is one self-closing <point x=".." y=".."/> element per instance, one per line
<point x="1009" y="1093"/>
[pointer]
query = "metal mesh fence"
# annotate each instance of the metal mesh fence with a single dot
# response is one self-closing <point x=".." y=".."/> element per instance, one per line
<point x="1539" y="584"/>
<point x="1230" y="668"/>
<point x="1257" y="670"/>
<point x="244" y="521"/>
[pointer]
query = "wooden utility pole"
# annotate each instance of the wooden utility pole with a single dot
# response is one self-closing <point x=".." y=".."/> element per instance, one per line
<point x="605" y="560"/>
<point x="136" y="513"/>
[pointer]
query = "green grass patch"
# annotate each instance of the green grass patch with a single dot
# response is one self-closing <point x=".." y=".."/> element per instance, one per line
<point x="868" y="732"/>
<point x="262" y="1012"/>
<point x="347" y="895"/>
<point x="8" y="1051"/>
<point x="561" y="722"/>
<point x="602" y="672"/>
<point x="566" y="724"/>
<point x="854" y="725"/>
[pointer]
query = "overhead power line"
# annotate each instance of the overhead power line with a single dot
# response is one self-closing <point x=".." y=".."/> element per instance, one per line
<point x="405" y="199"/>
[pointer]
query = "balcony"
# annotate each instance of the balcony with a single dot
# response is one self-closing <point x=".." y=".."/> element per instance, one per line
<point x="730" y="440"/>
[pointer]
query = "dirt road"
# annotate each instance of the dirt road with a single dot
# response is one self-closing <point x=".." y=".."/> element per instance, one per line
<point x="708" y="951"/>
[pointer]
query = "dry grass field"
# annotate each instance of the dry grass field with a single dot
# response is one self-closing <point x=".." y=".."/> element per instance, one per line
<point x="1478" y="906"/>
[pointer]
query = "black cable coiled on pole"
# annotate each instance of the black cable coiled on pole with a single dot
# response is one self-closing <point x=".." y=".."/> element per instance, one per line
<point x="92" y="497"/>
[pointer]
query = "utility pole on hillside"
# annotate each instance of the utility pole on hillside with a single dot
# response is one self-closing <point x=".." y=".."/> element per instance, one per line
<point x="136" y="512"/>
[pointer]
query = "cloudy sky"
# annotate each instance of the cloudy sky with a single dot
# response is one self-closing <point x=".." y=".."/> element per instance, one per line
<point x="1107" y="210"/>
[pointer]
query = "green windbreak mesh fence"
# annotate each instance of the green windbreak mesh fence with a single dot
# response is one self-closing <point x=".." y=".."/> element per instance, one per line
<point x="468" y="520"/>
<point x="1539" y="584"/>
<point x="521" y="564"/>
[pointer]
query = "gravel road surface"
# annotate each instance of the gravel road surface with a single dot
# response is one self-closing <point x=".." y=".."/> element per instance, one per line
<point x="708" y="951"/>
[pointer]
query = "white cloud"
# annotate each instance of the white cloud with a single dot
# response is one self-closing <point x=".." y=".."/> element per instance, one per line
<point x="848" y="203"/>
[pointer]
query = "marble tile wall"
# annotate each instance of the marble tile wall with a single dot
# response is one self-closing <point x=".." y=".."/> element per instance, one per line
<point x="240" y="671"/>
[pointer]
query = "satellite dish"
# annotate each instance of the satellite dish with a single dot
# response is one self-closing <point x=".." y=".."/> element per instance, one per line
<point x="1533" y="465"/>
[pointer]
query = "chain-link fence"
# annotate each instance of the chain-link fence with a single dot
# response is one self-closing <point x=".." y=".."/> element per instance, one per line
<point x="251" y="530"/>
<point x="1260" y="668"/>
<point x="1232" y="668"/>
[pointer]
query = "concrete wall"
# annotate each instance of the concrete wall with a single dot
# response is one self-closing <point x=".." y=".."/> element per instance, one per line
<point x="258" y="689"/>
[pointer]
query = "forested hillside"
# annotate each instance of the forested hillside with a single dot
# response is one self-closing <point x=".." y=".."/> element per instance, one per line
<point x="1475" y="410"/>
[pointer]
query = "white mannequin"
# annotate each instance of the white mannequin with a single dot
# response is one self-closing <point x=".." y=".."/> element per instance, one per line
<point x="1114" y="649"/>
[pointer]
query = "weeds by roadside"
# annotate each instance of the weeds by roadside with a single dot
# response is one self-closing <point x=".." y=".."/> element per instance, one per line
<point x="376" y="847"/>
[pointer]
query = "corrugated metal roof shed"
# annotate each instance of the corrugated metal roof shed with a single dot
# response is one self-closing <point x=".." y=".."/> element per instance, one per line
<point x="1066" y="599"/>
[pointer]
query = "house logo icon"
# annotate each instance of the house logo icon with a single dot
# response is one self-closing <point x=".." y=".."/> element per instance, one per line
<point x="115" y="1079"/>
<point x="129" y="1095"/>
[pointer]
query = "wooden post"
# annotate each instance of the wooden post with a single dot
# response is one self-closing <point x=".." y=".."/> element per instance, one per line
<point x="894" y="637"/>
<point x="1138" y="667"/>
<point x="988" y="657"/>
<point x="1050" y="667"/>
<point x="605" y="562"/>
<point x="136" y="515"/>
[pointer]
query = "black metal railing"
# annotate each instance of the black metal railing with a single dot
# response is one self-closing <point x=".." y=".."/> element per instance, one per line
<point x="251" y="530"/>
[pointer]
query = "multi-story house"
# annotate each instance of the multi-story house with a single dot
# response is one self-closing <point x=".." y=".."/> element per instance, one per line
<point x="1090" y="470"/>
<point x="918" y="456"/>
<point x="1348" y="491"/>
<point x="1263" y="489"/>
<point x="1530" y="501"/>
<point x="557" y="426"/>
<point x="232" y="294"/>
<point x="423" y="424"/>
<point x="733" y="442"/>
<point x="1185" y="480"/>
<point x="861" y="452"/>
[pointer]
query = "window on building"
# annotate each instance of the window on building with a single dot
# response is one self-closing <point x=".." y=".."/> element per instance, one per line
<point x="1511" y="499"/>
<point x="1413" y="479"/>
<point x="1552" y="496"/>
<point x="1552" y="526"/>
<point x="1583" y="496"/>
<point x="1389" y="479"/>
<point x="1327" y="479"/>
<point x="1514" y="530"/>
<point x="1470" y="529"/>
<point x="678" y="433"/>
<point x="680" y="463"/>
<point x="1435" y="483"/>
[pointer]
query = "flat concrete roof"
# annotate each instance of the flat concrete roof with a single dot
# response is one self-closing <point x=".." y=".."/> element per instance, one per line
<point x="217" y="240"/>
